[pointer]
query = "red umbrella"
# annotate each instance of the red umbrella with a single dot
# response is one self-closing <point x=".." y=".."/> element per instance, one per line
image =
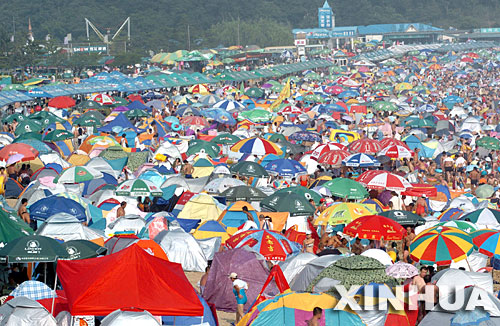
<point x="391" y="141"/>
<point x="291" y="109"/>
<point x="366" y="146"/>
<point x="323" y="148"/>
<point x="194" y="121"/>
<point x="335" y="90"/>
<point x="272" y="245"/>
<point x="334" y="157"/>
<point x="62" y="102"/>
<point x="27" y="151"/>
<point x="377" y="179"/>
<point x="135" y="97"/>
<point x="375" y="227"/>
<point x="396" y="151"/>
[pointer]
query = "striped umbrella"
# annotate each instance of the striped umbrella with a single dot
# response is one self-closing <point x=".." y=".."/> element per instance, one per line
<point x="365" y="145"/>
<point x="256" y="146"/>
<point x="376" y="179"/>
<point x="228" y="105"/>
<point x="488" y="242"/>
<point x="396" y="151"/>
<point x="441" y="245"/>
<point x="103" y="99"/>
<point x="465" y="226"/>
<point x="77" y="174"/>
<point x="138" y="188"/>
<point x="360" y="160"/>
<point x="323" y="148"/>
<point x="334" y="157"/>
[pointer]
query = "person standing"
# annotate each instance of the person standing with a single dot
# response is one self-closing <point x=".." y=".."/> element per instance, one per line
<point x="239" y="290"/>
<point x="121" y="210"/>
<point x="308" y="244"/>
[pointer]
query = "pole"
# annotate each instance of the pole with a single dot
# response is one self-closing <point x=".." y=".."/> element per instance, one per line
<point x="189" y="40"/>
<point x="54" y="297"/>
<point x="238" y="31"/>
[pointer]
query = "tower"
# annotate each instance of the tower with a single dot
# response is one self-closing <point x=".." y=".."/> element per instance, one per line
<point x="30" y="32"/>
<point x="326" y="18"/>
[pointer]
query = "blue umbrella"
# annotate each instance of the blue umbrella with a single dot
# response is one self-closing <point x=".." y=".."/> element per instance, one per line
<point x="453" y="99"/>
<point x="45" y="208"/>
<point x="305" y="136"/>
<point x="154" y="176"/>
<point x="187" y="110"/>
<point x="219" y="115"/>
<point x="360" y="160"/>
<point x="348" y="93"/>
<point x="285" y="167"/>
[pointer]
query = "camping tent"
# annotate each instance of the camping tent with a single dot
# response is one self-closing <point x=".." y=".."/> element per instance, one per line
<point x="22" y="311"/>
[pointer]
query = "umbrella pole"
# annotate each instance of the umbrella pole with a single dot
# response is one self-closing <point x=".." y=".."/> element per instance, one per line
<point x="45" y="273"/>
<point x="53" y="297"/>
<point x="467" y="261"/>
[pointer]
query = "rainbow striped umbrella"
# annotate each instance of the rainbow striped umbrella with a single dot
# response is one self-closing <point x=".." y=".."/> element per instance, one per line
<point x="488" y="242"/>
<point x="441" y="245"/>
<point x="256" y="146"/>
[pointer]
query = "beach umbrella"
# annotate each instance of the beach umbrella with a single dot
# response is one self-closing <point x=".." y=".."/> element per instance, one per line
<point x="137" y="113"/>
<point x="483" y="216"/>
<point x="244" y="193"/>
<point x="192" y="120"/>
<point x="82" y="249"/>
<point x="229" y="105"/>
<point x="32" y="248"/>
<point x="385" y="106"/>
<point x="404" y="217"/>
<point x="225" y="139"/>
<point x="61" y="102"/>
<point x="380" y="180"/>
<point x="219" y="185"/>
<point x="272" y="245"/>
<point x="487" y="241"/>
<point x="305" y="136"/>
<point x="209" y="99"/>
<point x="291" y="109"/>
<point x="401" y="270"/>
<point x="391" y="142"/>
<point x="77" y="174"/>
<point x="491" y="143"/>
<point x="28" y="152"/>
<point x="441" y="245"/>
<point x="199" y="89"/>
<point x="38" y="145"/>
<point x="366" y="146"/>
<point x="219" y="115"/>
<point x="58" y="135"/>
<point x="484" y="191"/>
<point x="343" y="213"/>
<point x="249" y="169"/>
<point x="28" y="125"/>
<point x="334" y="157"/>
<point x="285" y="167"/>
<point x="202" y="146"/>
<point x="360" y="160"/>
<point x="85" y="105"/>
<point x="52" y="205"/>
<point x="256" y="115"/>
<point x="375" y="227"/>
<point x="11" y="228"/>
<point x="295" y="204"/>
<point x="138" y="188"/>
<point x="465" y="226"/>
<point x="254" y="92"/>
<point x="346" y="188"/>
<point x="103" y="99"/>
<point x="301" y="191"/>
<point x="396" y="151"/>
<point x="323" y="148"/>
<point x="87" y="121"/>
<point x="256" y="146"/>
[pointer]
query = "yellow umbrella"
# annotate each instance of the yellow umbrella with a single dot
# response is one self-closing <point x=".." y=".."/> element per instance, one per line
<point x="343" y="213"/>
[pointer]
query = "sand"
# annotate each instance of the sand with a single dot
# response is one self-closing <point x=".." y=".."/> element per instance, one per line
<point x="225" y="318"/>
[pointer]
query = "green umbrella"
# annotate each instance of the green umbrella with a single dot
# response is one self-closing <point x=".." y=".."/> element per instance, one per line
<point x="467" y="227"/>
<point x="421" y="123"/>
<point x="16" y="116"/>
<point x="292" y="203"/>
<point x="88" y="105"/>
<point x="138" y="187"/>
<point x="225" y="139"/>
<point x="28" y="126"/>
<point x="32" y="248"/>
<point x="254" y="92"/>
<point x="314" y="98"/>
<point x="120" y="101"/>
<point x="137" y="113"/>
<point x="93" y="114"/>
<point x="57" y="135"/>
<point x="82" y="249"/>
<point x="45" y="117"/>
<point x="245" y="193"/>
<point x="277" y="88"/>
<point x="87" y="121"/>
<point x="484" y="191"/>
<point x="249" y="169"/>
<point x="346" y="188"/>
<point x="491" y="143"/>
<point x="385" y="106"/>
<point x="11" y="228"/>
<point x="78" y="174"/>
<point x="256" y="115"/>
<point x="420" y="88"/>
<point x="302" y="191"/>
<point x="276" y="138"/>
<point x="29" y="135"/>
<point x="313" y="76"/>
<point x="482" y="216"/>
<point x="15" y="87"/>
<point x="201" y="146"/>
<point x="354" y="270"/>
<point x="381" y="86"/>
<point x="404" y="217"/>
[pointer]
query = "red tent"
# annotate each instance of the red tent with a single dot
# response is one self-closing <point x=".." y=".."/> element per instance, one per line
<point x="130" y="278"/>
<point x="62" y="102"/>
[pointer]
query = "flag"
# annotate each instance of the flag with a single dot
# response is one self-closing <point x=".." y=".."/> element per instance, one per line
<point x="242" y="88"/>
<point x="285" y="93"/>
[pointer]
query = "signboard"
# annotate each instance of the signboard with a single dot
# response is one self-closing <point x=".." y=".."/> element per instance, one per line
<point x="90" y="49"/>
<point x="325" y="18"/>
<point x="490" y="30"/>
<point x="345" y="33"/>
<point x="301" y="51"/>
<point x="300" y="42"/>
<point x="83" y="321"/>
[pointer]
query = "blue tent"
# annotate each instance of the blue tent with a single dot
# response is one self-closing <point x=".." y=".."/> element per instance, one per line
<point x="207" y="318"/>
<point x="138" y="105"/>
<point x="12" y="188"/>
<point x="120" y="121"/>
